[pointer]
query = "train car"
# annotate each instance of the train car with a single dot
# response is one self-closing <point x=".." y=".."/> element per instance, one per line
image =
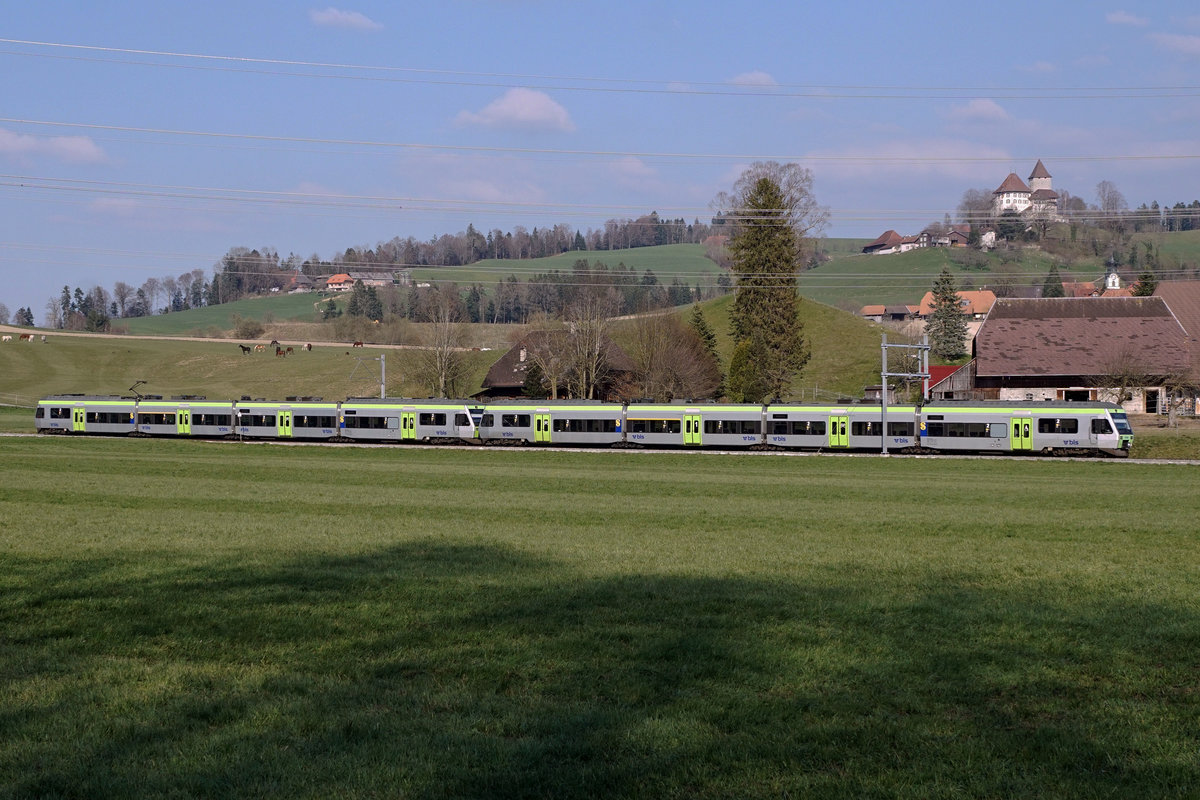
<point x="1046" y="427"/>
<point x="184" y="416"/>
<point x="579" y="423"/>
<point x="727" y="425"/>
<point x="799" y="426"/>
<point x="287" y="419"/>
<point x="78" y="413"/>
<point x="400" y="420"/>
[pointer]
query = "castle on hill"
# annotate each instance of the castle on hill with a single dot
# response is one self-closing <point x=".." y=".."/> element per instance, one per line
<point x="1036" y="198"/>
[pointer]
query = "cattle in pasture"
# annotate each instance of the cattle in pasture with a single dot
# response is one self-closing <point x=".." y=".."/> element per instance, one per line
<point x="357" y="344"/>
<point x="245" y="349"/>
<point x="258" y="348"/>
<point x="8" y="338"/>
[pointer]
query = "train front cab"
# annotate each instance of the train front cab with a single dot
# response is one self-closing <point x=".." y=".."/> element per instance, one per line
<point x="1066" y="428"/>
<point x="84" y="414"/>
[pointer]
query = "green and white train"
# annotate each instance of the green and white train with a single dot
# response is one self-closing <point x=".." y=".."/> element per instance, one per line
<point x="1049" y="428"/>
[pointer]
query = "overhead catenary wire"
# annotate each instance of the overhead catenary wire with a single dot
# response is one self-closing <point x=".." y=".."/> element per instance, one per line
<point x="577" y="83"/>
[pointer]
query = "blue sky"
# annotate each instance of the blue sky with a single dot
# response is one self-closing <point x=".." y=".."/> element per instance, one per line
<point x="145" y="139"/>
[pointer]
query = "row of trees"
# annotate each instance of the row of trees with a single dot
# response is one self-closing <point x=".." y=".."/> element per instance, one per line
<point x="23" y="317"/>
<point x="469" y="246"/>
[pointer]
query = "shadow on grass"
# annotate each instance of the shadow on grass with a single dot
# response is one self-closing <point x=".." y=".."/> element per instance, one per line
<point x="432" y="670"/>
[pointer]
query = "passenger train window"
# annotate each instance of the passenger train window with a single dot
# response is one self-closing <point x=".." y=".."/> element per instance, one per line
<point x="900" y="429"/>
<point x="461" y="419"/>
<point x="487" y="421"/>
<point x="60" y="413"/>
<point x="428" y="418"/>
<point x="1101" y="426"/>
<point x="1053" y="425"/>
<point x="514" y="421"/>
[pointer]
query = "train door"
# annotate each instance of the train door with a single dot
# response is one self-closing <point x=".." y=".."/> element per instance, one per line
<point x="285" y="424"/>
<point x="78" y="417"/>
<point x="691" y="430"/>
<point x="408" y="426"/>
<point x="839" y="431"/>
<point x="183" y="422"/>
<point x="1022" y="433"/>
<point x="541" y="428"/>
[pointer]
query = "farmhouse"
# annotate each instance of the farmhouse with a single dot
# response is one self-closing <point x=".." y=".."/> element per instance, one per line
<point x="508" y="376"/>
<point x="1124" y="349"/>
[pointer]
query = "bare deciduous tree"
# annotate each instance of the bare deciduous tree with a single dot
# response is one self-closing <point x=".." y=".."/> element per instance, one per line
<point x="670" y="361"/>
<point x="441" y="365"/>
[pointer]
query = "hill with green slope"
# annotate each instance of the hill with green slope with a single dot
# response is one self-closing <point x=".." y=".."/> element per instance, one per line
<point x="686" y="262"/>
<point x="845" y="357"/>
<point x="214" y="320"/>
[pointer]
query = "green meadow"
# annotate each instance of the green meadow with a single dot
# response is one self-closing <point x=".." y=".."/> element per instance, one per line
<point x="183" y="619"/>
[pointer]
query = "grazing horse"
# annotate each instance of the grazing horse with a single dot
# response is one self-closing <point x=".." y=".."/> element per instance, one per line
<point x="279" y="352"/>
<point x="289" y="351"/>
<point x="357" y="344"/>
<point x="43" y="338"/>
<point x="245" y="349"/>
<point x="26" y="337"/>
<point x="274" y="343"/>
<point x="308" y="347"/>
<point x="7" y="338"/>
<point x="258" y="348"/>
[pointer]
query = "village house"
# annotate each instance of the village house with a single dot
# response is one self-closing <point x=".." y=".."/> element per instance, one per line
<point x="507" y="378"/>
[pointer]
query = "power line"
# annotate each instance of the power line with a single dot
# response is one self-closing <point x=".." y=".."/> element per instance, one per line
<point x="798" y="158"/>
<point x="617" y="85"/>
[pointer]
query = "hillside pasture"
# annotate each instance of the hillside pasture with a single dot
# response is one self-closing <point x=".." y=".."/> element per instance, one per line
<point x="217" y="620"/>
<point x="215" y="320"/>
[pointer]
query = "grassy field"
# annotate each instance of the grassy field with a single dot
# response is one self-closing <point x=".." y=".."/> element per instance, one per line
<point x="100" y="365"/>
<point x="215" y="320"/>
<point x="684" y="261"/>
<point x="217" y="620"/>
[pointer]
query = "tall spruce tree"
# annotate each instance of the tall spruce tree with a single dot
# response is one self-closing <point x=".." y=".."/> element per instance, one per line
<point x="947" y="327"/>
<point x="1053" y="285"/>
<point x="766" y="251"/>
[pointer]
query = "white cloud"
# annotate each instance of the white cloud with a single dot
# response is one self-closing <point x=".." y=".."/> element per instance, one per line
<point x="72" y="149"/>
<point x="1177" y="43"/>
<point x="981" y="109"/>
<point x="1125" y="18"/>
<point x="1041" y="67"/>
<point x="521" y="109"/>
<point x="755" y="78"/>
<point x="337" y="18"/>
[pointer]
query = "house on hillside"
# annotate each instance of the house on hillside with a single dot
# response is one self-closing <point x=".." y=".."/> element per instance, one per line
<point x="1096" y="348"/>
<point x="339" y="283"/>
<point x="892" y="242"/>
<point x="974" y="304"/>
<point x="881" y="313"/>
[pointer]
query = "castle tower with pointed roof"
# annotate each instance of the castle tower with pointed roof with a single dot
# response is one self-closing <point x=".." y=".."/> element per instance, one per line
<point x="1035" y="198"/>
